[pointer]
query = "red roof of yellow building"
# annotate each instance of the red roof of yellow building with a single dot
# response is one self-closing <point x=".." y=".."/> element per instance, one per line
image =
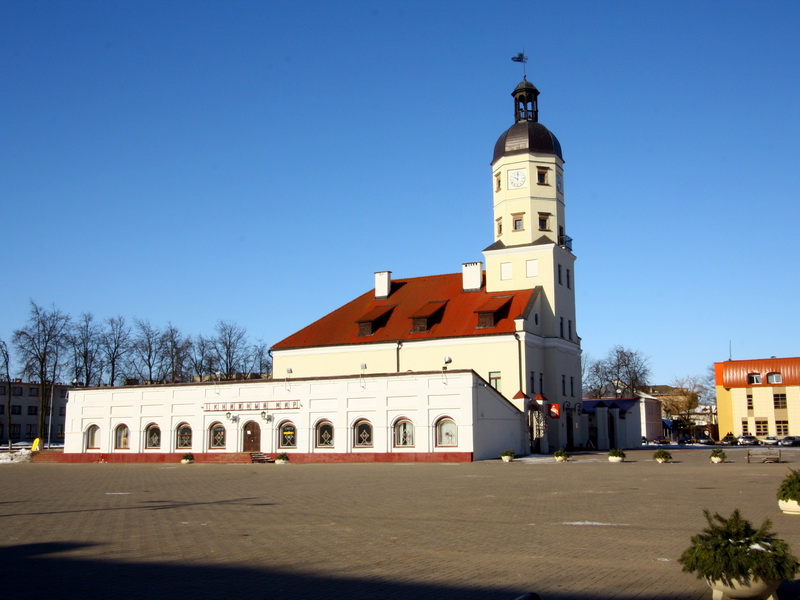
<point x="437" y="303"/>
<point x="734" y="373"/>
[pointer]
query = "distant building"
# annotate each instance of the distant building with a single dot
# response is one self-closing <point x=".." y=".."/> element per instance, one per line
<point x="24" y="403"/>
<point x="464" y="364"/>
<point x="758" y="397"/>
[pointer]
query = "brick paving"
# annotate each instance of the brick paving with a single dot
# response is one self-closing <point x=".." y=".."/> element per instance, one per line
<point x="487" y="530"/>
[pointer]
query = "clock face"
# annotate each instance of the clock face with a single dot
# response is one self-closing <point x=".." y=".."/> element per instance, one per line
<point x="516" y="178"/>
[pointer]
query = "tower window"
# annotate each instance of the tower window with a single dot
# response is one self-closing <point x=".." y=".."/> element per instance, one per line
<point x="499" y="227"/>
<point x="519" y="221"/>
<point x="559" y="274"/>
<point x="544" y="221"/>
<point x="497" y="185"/>
<point x="569" y="280"/>
<point x="541" y="175"/>
<point x="561" y="327"/>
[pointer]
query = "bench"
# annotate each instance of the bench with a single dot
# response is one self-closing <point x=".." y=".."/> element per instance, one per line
<point x="764" y="455"/>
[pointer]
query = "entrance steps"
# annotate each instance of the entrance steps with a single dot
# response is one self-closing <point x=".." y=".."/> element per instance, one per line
<point x="260" y="457"/>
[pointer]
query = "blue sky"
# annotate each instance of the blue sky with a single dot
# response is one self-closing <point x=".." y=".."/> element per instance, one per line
<point x="257" y="162"/>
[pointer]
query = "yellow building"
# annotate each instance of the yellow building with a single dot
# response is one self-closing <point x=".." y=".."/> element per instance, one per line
<point x="758" y="397"/>
<point x="513" y="323"/>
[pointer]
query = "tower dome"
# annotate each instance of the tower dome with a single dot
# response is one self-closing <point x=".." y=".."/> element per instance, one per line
<point x="526" y="134"/>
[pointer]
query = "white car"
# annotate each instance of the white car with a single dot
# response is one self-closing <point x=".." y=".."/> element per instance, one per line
<point x="770" y="440"/>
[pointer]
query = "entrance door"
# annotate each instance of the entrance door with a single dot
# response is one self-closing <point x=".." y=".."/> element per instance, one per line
<point x="252" y="437"/>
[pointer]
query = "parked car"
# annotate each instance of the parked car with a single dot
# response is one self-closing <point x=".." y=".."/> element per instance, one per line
<point x="705" y="440"/>
<point x="686" y="439"/>
<point x="748" y="440"/>
<point x="770" y="440"/>
<point x="789" y="440"/>
<point x="661" y="440"/>
<point x="728" y="440"/>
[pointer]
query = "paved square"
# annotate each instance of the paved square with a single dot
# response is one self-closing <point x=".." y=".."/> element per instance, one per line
<point x="487" y="530"/>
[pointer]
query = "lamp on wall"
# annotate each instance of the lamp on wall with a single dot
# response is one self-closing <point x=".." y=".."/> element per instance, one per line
<point x="231" y="417"/>
<point x="447" y="361"/>
<point x="266" y="417"/>
<point x="286" y="381"/>
<point x="363" y="368"/>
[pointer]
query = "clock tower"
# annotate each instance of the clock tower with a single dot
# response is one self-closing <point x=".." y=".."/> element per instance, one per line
<point x="531" y="250"/>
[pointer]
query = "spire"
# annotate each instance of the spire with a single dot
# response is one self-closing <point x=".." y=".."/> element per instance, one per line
<point x="526" y="103"/>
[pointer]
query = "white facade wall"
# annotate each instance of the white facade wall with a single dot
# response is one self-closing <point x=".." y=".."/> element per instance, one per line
<point x="485" y="421"/>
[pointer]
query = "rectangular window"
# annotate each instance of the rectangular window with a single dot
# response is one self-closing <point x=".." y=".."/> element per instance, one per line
<point x="33" y="411"/>
<point x="3" y="391"/>
<point x="569" y="280"/>
<point x="563" y="385"/>
<point x="774" y="378"/>
<point x="541" y="175"/>
<point x="518" y="221"/>
<point x="533" y="382"/>
<point x="505" y="270"/>
<point x="13" y="431"/>
<point x="62" y="411"/>
<point x="63" y="393"/>
<point x="33" y="391"/>
<point x="745" y="427"/>
<point x="561" y="327"/>
<point x="60" y="432"/>
<point x="499" y="227"/>
<point x="572" y="386"/>
<point x="16" y="409"/>
<point x="749" y="401"/>
<point x="2" y="409"/>
<point x="779" y="400"/>
<point x="17" y="391"/>
<point x="782" y="427"/>
<point x="569" y="329"/>
<point x="754" y="378"/>
<point x="30" y="432"/>
<point x="544" y="221"/>
<point x="762" y="427"/>
<point x="532" y="268"/>
<point x="494" y="379"/>
<point x="559" y="274"/>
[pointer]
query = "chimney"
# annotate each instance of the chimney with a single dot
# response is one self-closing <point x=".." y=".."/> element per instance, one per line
<point x="383" y="284"/>
<point x="472" y="276"/>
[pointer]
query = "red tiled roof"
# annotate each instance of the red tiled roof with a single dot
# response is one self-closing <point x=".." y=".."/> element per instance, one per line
<point x="733" y="373"/>
<point x="409" y="298"/>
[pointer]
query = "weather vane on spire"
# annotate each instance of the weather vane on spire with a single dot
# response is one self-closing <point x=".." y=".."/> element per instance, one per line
<point x="521" y="58"/>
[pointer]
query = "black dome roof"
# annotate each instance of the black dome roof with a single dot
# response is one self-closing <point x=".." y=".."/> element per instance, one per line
<point x="527" y="136"/>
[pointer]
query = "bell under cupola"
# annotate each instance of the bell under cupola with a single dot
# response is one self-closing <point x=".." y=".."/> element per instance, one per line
<point x="526" y="97"/>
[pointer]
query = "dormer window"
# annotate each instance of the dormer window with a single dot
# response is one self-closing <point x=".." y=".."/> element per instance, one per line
<point x="754" y="378"/>
<point x="774" y="378"/>
<point x="373" y="320"/>
<point x="427" y="316"/>
<point x="491" y="311"/>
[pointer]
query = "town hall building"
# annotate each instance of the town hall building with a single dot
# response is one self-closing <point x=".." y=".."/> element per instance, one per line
<point x="460" y="366"/>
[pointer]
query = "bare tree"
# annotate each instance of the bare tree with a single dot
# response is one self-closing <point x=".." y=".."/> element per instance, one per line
<point x="38" y="346"/>
<point x="147" y="353"/>
<point x="5" y="359"/>
<point x="260" y="360"/>
<point x="115" y="342"/>
<point x="684" y="397"/>
<point x="201" y="356"/>
<point x="230" y="349"/>
<point x="620" y="374"/>
<point x="176" y="353"/>
<point x="84" y="340"/>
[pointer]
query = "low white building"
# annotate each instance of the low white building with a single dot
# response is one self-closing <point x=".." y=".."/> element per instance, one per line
<point x="433" y="416"/>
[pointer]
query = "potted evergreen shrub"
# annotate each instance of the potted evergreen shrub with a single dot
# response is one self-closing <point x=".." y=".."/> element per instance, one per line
<point x="561" y="455"/>
<point x="789" y="493"/>
<point x="616" y="455"/>
<point x="507" y="455"/>
<point x="662" y="456"/>
<point x="282" y="458"/>
<point x="187" y="458"/>
<point x="718" y="455"/>
<point x="737" y="560"/>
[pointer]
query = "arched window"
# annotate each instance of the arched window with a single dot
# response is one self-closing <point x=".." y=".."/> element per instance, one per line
<point x="153" y="437"/>
<point x="325" y="435"/>
<point x="403" y="433"/>
<point x="121" y="434"/>
<point x="446" y="432"/>
<point x="93" y="438"/>
<point x="216" y="435"/>
<point x="184" y="436"/>
<point x="363" y="434"/>
<point x="288" y="435"/>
